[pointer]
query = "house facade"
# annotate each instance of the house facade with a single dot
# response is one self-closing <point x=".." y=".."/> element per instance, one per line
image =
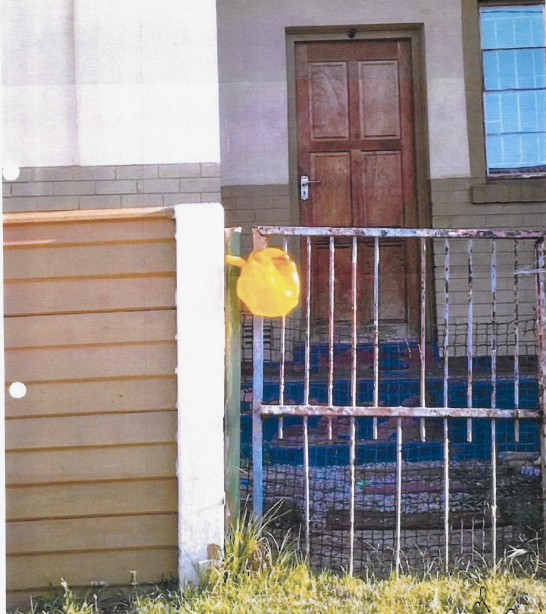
<point x="412" y="113"/>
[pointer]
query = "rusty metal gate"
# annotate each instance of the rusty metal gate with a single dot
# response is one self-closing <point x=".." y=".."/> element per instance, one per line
<point x="466" y="413"/>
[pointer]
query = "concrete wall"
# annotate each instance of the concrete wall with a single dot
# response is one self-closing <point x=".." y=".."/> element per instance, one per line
<point x="95" y="82"/>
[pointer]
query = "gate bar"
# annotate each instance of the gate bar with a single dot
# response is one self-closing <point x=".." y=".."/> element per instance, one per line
<point x="398" y="492"/>
<point x="307" y="382"/>
<point x="423" y="343"/>
<point x="257" y="426"/>
<point x="446" y="493"/>
<point x="375" y="331"/>
<point x="446" y="401"/>
<point x="331" y="288"/>
<point x="400" y="412"/>
<point x="516" y="338"/>
<point x="469" y="338"/>
<point x="306" y="398"/>
<point x="352" y="450"/>
<point x="283" y="358"/>
<point x="307" y="486"/>
<point x="541" y="317"/>
<point x="446" y="323"/>
<point x="494" y="400"/>
<point x="399" y="233"/>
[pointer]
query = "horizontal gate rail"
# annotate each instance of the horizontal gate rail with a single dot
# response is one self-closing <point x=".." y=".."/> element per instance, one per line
<point x="399" y="233"/>
<point x="397" y="412"/>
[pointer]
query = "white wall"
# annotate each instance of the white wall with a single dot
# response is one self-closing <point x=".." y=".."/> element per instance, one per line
<point x="100" y="82"/>
<point x="253" y="78"/>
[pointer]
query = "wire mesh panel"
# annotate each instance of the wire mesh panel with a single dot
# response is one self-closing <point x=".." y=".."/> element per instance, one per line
<point x="395" y="428"/>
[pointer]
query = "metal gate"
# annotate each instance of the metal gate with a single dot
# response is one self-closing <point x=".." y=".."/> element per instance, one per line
<point x="459" y="405"/>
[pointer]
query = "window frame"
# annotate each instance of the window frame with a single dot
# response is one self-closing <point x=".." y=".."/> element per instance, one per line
<point x="490" y="188"/>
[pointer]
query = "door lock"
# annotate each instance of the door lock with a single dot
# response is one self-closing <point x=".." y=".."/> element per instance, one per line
<point x="304" y="186"/>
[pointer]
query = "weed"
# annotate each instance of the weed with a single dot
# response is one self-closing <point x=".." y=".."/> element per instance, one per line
<point x="258" y="575"/>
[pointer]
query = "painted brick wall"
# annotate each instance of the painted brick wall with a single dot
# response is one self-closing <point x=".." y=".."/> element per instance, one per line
<point x="97" y="187"/>
<point x="252" y="205"/>
<point x="453" y="208"/>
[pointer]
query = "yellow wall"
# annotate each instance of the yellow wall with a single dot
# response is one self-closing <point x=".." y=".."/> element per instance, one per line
<point x="91" y="452"/>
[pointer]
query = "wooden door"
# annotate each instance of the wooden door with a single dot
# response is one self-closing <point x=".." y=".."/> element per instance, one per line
<point x="355" y="123"/>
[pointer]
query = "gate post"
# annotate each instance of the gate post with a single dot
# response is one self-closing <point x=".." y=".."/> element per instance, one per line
<point x="233" y="383"/>
<point x="259" y="242"/>
<point x="200" y="331"/>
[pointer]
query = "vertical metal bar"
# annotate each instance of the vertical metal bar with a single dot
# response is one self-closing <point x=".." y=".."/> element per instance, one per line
<point x="494" y="324"/>
<point x="352" y="458"/>
<point x="352" y="450"/>
<point x="446" y="322"/>
<point x="446" y="400"/>
<point x="307" y="489"/>
<point x="331" y="293"/>
<point x="398" y="492"/>
<point x="354" y="291"/>
<point x="422" y="345"/>
<point x="257" y="427"/>
<point x="461" y="539"/>
<point x="541" y="326"/>
<point x="280" y="431"/>
<point x="494" y="489"/>
<point x="470" y="337"/>
<point x="473" y="538"/>
<point x="516" y="337"/>
<point x="375" y="330"/>
<point x="446" y="493"/>
<point x="283" y="360"/>
<point x="331" y="288"/>
<point x="307" y="382"/>
<point x="494" y="398"/>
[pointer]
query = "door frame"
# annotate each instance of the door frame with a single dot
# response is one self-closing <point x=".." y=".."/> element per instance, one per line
<point x="412" y="32"/>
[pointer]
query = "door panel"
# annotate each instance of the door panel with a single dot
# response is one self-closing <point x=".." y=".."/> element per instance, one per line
<point x="329" y="100"/>
<point x="382" y="190"/>
<point x="332" y="197"/>
<point x="379" y="107"/>
<point x="355" y="129"/>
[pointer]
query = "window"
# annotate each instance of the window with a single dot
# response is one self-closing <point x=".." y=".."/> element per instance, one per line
<point x="514" y="80"/>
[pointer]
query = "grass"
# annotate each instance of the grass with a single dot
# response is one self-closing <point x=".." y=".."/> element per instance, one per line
<point x="257" y="575"/>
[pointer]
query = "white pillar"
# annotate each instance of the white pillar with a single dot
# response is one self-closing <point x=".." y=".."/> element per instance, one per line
<point x="201" y="344"/>
<point x="2" y="389"/>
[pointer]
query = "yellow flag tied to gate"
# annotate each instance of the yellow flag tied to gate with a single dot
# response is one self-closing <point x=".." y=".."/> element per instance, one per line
<point x="269" y="284"/>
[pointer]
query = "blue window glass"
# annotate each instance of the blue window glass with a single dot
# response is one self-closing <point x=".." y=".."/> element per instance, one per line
<point x="514" y="71"/>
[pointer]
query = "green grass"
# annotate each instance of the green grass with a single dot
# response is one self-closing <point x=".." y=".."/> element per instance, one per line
<point x="257" y="575"/>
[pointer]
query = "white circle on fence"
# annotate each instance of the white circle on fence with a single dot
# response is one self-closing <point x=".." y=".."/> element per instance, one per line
<point x="11" y="172"/>
<point x="17" y="390"/>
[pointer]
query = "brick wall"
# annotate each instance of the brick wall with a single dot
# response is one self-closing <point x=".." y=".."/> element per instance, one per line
<point x="453" y="207"/>
<point x="97" y="187"/>
<point x="252" y="205"/>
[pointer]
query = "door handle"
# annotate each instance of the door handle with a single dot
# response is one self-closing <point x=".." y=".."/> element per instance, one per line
<point x="304" y="186"/>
